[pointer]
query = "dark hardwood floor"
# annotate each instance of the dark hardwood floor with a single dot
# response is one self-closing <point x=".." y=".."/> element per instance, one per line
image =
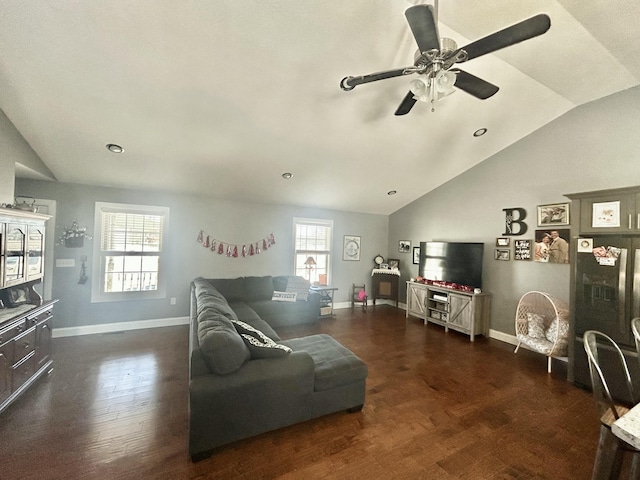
<point x="437" y="407"/>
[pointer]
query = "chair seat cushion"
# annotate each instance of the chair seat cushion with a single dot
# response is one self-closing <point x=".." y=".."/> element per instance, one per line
<point x="544" y="346"/>
<point x="335" y="365"/>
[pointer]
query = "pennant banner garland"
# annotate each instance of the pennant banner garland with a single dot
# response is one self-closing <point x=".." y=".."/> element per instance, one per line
<point x="231" y="250"/>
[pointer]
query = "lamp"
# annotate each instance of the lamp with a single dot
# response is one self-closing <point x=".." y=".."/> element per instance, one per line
<point x="432" y="86"/>
<point x="309" y="264"/>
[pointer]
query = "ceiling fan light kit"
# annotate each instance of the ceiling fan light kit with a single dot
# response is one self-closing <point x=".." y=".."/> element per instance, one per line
<point x="436" y="56"/>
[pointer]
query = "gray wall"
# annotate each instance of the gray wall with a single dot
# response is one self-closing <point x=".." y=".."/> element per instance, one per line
<point x="593" y="147"/>
<point x="234" y="222"/>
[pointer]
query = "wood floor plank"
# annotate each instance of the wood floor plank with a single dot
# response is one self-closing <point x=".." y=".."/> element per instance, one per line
<point x="437" y="407"/>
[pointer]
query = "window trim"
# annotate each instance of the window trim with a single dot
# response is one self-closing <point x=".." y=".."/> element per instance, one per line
<point x="97" y="276"/>
<point x="317" y="221"/>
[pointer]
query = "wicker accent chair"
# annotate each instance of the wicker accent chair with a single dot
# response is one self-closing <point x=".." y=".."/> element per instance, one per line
<point x="542" y="325"/>
<point x="611" y="449"/>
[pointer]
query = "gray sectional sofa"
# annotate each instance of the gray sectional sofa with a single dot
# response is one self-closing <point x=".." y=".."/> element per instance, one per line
<point x="245" y="380"/>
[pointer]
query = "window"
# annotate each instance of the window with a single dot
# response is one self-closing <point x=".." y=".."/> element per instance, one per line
<point x="313" y="240"/>
<point x="128" y="252"/>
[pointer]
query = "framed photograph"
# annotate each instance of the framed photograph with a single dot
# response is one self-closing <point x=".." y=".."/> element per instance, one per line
<point x="606" y="214"/>
<point x="585" y="245"/>
<point x="14" y="296"/>
<point x="502" y="254"/>
<point x="351" y="248"/>
<point x="522" y="250"/>
<point x="404" y="246"/>
<point x="552" y="245"/>
<point x="394" y="264"/>
<point x="416" y="255"/>
<point x="503" y="241"/>
<point x="553" y="214"/>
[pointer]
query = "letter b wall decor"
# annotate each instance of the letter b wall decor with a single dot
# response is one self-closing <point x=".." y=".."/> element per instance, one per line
<point x="514" y="221"/>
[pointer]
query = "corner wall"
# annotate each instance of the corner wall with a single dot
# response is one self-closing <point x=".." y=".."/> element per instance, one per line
<point x="592" y="147"/>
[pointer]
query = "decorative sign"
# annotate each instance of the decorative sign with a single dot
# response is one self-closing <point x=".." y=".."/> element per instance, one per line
<point x="522" y="250"/>
<point x="513" y="221"/>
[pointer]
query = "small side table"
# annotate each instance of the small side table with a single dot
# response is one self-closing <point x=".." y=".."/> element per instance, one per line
<point x="384" y="284"/>
<point x="326" y="300"/>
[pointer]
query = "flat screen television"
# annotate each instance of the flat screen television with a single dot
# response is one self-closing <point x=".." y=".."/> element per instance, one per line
<point x="452" y="262"/>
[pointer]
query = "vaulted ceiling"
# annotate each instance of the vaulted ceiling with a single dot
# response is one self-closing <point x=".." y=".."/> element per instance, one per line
<point x="222" y="97"/>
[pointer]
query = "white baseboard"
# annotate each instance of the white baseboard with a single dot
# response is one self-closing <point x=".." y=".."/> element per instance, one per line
<point x="118" y="327"/>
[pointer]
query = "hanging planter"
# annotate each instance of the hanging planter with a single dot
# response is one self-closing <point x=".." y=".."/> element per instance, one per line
<point x="73" y="236"/>
<point x="74" y="242"/>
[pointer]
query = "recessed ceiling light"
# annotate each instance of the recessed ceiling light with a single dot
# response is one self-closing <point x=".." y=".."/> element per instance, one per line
<point x="114" y="148"/>
<point x="287" y="175"/>
<point x="479" y="132"/>
<point x="392" y="192"/>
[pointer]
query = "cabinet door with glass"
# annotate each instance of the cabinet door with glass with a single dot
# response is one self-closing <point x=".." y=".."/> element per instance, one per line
<point x="15" y="254"/>
<point x="35" y="252"/>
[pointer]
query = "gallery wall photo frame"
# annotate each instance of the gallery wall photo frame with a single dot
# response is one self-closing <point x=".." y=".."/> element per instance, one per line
<point x="553" y="214"/>
<point x="502" y="254"/>
<point x="416" y="255"/>
<point x="522" y="249"/>
<point x="503" y="241"/>
<point x="404" y="246"/>
<point x="606" y="215"/>
<point x="351" y="248"/>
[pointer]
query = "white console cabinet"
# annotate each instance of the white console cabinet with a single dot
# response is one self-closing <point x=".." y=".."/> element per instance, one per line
<point x="464" y="312"/>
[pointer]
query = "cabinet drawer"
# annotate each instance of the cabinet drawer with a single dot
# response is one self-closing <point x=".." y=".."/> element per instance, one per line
<point x="24" y="345"/>
<point x="42" y="316"/>
<point x="23" y="370"/>
<point x="12" y="331"/>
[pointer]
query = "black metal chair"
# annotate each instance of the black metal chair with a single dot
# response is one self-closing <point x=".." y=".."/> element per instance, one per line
<point x="609" y="456"/>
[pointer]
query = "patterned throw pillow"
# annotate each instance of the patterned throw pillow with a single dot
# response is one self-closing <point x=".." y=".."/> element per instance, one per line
<point x="284" y="296"/>
<point x="536" y="325"/>
<point x="259" y="345"/>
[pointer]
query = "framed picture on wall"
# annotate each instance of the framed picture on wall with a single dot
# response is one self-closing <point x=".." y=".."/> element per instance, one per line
<point x="404" y="246"/>
<point x="502" y="254"/>
<point x="552" y="245"/>
<point x="416" y="255"/>
<point x="351" y="248"/>
<point x="553" y="214"/>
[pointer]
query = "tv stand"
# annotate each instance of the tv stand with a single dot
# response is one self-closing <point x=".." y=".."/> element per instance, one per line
<point x="464" y="312"/>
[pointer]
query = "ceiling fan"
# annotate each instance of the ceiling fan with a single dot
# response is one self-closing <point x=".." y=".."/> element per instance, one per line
<point x="436" y="56"/>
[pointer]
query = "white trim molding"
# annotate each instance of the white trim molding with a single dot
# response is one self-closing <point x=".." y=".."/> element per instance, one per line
<point x="118" y="327"/>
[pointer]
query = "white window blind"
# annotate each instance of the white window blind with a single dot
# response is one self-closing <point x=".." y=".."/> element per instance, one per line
<point x="313" y="240"/>
<point x="130" y="251"/>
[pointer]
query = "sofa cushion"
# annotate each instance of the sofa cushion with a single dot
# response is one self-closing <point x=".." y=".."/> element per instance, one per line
<point x="335" y="365"/>
<point x="223" y="349"/>
<point x="259" y="345"/>
<point x="280" y="283"/>
<point x="246" y="314"/>
<point x="258" y="288"/>
<point x="231" y="288"/>
<point x="299" y="286"/>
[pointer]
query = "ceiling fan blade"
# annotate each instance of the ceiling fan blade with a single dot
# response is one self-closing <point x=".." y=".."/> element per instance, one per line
<point x="532" y="27"/>
<point x="349" y="83"/>
<point x="423" y="27"/>
<point x="406" y="105"/>
<point x="473" y="85"/>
